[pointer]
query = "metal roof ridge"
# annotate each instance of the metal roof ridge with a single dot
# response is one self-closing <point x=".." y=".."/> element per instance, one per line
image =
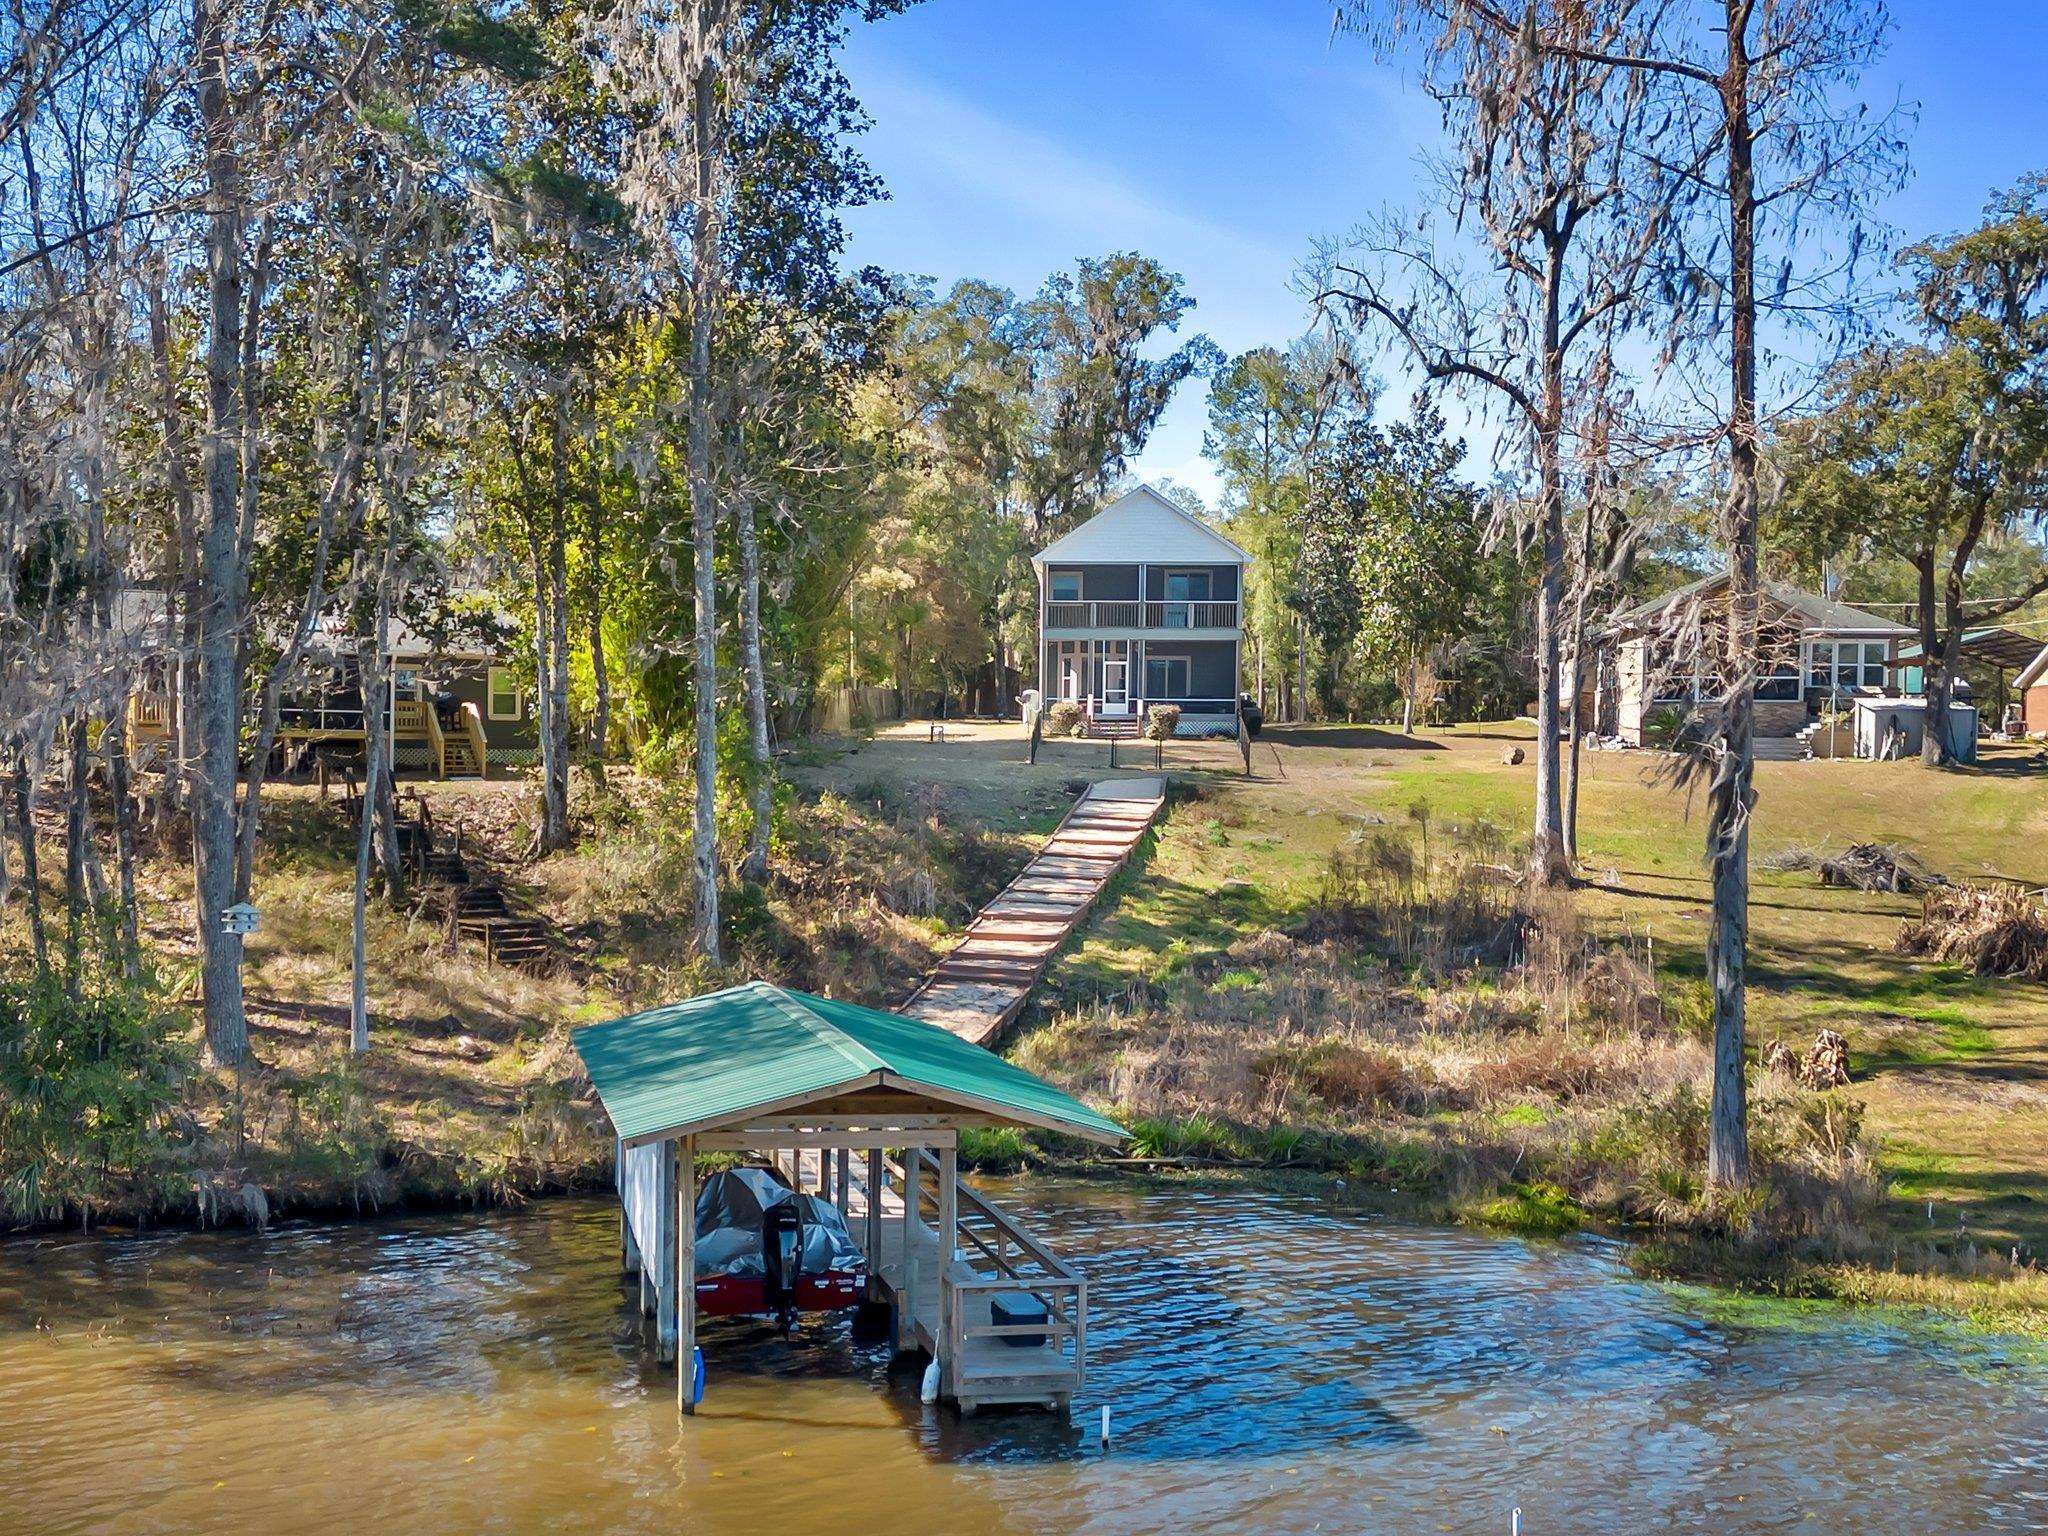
<point x="822" y="1030"/>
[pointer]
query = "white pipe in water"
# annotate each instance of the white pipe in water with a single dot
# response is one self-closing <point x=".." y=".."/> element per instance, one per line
<point x="1515" y="1528"/>
<point x="1105" y="1424"/>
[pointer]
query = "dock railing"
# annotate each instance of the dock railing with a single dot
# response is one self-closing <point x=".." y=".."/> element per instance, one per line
<point x="993" y="1255"/>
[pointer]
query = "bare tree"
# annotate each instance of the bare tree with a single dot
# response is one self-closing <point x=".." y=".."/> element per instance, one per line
<point x="1766" y="129"/>
<point x="1550" y="161"/>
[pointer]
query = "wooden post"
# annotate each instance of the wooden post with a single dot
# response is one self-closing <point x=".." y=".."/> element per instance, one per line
<point x="874" y="1216"/>
<point x="667" y="1247"/>
<point x="949" y="1244"/>
<point x="839" y="1183"/>
<point x="686" y="1271"/>
<point x="1080" y="1335"/>
<point x="906" y="1301"/>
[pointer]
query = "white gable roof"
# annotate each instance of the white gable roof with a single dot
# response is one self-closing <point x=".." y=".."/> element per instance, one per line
<point x="2032" y="673"/>
<point x="1143" y="525"/>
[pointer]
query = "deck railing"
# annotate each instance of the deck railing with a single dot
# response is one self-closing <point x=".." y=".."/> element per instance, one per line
<point x="1137" y="615"/>
<point x="1191" y="615"/>
<point x="1005" y="1258"/>
<point x="417" y="720"/>
<point x="149" y="714"/>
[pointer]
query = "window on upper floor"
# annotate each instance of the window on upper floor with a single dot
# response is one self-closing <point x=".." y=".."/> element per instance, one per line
<point x="1063" y="586"/>
<point x="1187" y="586"/>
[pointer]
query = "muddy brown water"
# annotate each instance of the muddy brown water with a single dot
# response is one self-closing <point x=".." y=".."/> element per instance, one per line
<point x="1273" y="1365"/>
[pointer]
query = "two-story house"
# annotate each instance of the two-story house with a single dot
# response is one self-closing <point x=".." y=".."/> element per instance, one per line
<point x="1142" y="605"/>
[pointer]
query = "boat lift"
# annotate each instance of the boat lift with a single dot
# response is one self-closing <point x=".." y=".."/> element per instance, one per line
<point x="863" y="1109"/>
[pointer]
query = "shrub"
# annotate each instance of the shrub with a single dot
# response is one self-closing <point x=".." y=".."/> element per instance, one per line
<point x="92" y="1064"/>
<point x="1537" y="1207"/>
<point x="1161" y="721"/>
<point x="1661" y="727"/>
<point x="1063" y="719"/>
<point x="994" y="1149"/>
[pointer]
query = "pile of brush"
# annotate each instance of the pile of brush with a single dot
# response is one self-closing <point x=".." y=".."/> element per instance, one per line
<point x="1998" y="930"/>
<point x="1878" y="867"/>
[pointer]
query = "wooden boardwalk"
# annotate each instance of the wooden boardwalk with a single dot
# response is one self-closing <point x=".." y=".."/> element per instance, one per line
<point x="983" y="982"/>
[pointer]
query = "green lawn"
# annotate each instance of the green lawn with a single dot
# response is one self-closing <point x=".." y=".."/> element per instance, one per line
<point x="1953" y="1069"/>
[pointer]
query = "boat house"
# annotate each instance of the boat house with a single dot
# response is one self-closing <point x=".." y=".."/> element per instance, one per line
<point x="861" y="1110"/>
<point x="1143" y="604"/>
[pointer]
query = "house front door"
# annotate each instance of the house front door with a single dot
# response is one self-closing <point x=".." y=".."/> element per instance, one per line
<point x="1116" y="686"/>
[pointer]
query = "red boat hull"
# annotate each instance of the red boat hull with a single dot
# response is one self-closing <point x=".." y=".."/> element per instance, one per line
<point x="747" y="1295"/>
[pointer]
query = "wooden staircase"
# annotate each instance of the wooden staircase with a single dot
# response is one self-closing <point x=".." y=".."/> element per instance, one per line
<point x="483" y="913"/>
<point x="459" y="760"/>
<point x="478" y="908"/>
<point x="1113" y="729"/>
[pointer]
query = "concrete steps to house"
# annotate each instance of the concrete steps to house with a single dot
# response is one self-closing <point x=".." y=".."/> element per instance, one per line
<point x="1779" y="749"/>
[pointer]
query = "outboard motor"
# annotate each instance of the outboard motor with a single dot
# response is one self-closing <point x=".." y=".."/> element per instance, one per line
<point x="782" y="1250"/>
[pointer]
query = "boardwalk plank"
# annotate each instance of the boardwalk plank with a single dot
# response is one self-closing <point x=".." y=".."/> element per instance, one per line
<point x="982" y="983"/>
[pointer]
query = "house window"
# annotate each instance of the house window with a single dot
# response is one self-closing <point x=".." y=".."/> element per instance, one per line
<point x="1780" y="680"/>
<point x="502" y="695"/>
<point x="1166" y="677"/>
<point x="1187" y="586"/>
<point x="1064" y="586"/>
<point x="1843" y="666"/>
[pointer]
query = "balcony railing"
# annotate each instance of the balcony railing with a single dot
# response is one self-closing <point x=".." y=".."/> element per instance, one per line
<point x="1176" y="614"/>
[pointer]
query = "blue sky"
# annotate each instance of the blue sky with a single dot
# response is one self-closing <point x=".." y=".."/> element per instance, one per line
<point x="1223" y="137"/>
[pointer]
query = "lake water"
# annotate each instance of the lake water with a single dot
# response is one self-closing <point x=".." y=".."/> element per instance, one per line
<point x="1273" y="1365"/>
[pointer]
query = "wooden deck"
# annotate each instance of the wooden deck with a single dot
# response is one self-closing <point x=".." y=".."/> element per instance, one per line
<point x="983" y="982"/>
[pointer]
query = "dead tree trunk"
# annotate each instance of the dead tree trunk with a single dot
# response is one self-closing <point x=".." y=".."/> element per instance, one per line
<point x="706" y="292"/>
<point x="1731" y="794"/>
<point x="217" y="597"/>
<point x="761" y="785"/>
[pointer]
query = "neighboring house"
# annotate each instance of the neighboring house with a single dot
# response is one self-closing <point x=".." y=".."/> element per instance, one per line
<point x="1658" y="656"/>
<point x="456" y="710"/>
<point x="2032" y="687"/>
<point x="465" y="679"/>
<point x="1142" y="605"/>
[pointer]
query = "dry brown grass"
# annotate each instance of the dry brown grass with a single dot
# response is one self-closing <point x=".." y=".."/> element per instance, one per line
<point x="470" y="1089"/>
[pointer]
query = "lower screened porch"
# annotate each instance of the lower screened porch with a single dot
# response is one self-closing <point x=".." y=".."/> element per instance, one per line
<point x="1121" y="678"/>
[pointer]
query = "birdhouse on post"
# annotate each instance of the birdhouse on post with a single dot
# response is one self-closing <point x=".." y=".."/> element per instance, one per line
<point x="241" y="918"/>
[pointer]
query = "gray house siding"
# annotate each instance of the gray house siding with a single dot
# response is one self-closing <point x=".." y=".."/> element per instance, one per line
<point x="1101" y="583"/>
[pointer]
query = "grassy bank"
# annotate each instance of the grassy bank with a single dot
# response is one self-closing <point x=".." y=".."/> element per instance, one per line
<point x="1288" y="980"/>
<point x="470" y="1090"/>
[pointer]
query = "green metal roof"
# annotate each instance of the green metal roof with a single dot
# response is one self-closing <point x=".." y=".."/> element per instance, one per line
<point x="715" y="1059"/>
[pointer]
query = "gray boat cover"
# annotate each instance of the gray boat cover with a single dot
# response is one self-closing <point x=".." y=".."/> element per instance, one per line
<point x="729" y="1209"/>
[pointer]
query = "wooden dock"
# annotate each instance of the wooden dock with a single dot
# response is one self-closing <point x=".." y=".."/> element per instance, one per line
<point x="862" y="1110"/>
<point x="980" y="1360"/>
<point x="982" y="983"/>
